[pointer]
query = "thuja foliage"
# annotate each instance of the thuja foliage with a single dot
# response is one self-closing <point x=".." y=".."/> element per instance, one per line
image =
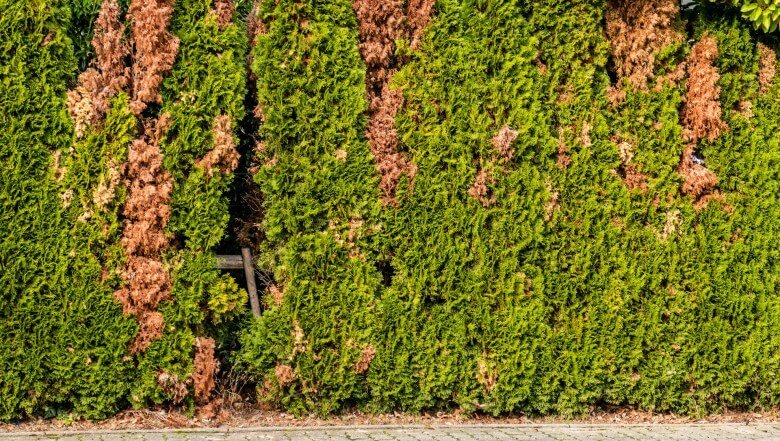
<point x="66" y="344"/>
<point x="584" y="214"/>
<point x="92" y="194"/>
<point x="474" y="123"/>
<point x="321" y="200"/>
<point x="82" y="26"/>
<point x="683" y="325"/>
<point x="739" y="312"/>
<point x="585" y="225"/>
<point x="202" y="100"/>
<point x="63" y="339"/>
<point x="33" y="120"/>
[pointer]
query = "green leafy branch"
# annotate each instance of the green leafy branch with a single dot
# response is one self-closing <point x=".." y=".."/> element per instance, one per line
<point x="764" y="14"/>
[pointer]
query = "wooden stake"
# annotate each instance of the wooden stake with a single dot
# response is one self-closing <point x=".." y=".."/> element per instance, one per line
<point x="230" y="262"/>
<point x="251" y="284"/>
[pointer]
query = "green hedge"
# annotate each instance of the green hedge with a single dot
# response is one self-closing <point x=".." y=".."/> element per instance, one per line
<point x="545" y="254"/>
<point x="557" y="271"/>
<point x="207" y="81"/>
<point x="63" y="338"/>
<point x="321" y="199"/>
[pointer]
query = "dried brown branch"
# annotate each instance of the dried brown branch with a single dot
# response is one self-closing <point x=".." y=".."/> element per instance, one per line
<point x="637" y="31"/>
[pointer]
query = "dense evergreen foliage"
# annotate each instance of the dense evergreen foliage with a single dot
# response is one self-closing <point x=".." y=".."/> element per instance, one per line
<point x="62" y="337"/>
<point x="568" y="239"/>
<point x="203" y="100"/>
<point x="481" y="205"/>
<point x="322" y="199"/>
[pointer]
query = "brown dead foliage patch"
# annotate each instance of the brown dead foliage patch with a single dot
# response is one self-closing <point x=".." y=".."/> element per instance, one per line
<point x="81" y="102"/>
<point x="701" y="117"/>
<point x="223" y="158"/>
<point x="277" y="294"/>
<point x="224" y="10"/>
<point x="616" y="95"/>
<point x="767" y="60"/>
<point x="528" y="283"/>
<point x="366" y="356"/>
<point x="503" y="143"/>
<point x="355" y="228"/>
<point x="634" y="179"/>
<point x="108" y="75"/>
<point x="584" y="137"/>
<point x="105" y="192"/>
<point x="502" y="155"/>
<point x="698" y="181"/>
<point x="671" y="225"/>
<point x="552" y="204"/>
<point x="480" y="190"/>
<point x="154" y="49"/>
<point x="543" y="69"/>
<point x="637" y="31"/>
<point x="381" y="24"/>
<point x="150" y="328"/>
<point x="66" y="197"/>
<point x="628" y="172"/>
<point x="418" y="13"/>
<point x="744" y="108"/>
<point x="48" y="39"/>
<point x="284" y="374"/>
<point x="146" y="284"/>
<point x="210" y="410"/>
<point x="350" y="240"/>
<point x="565" y="95"/>
<point x="146" y="213"/>
<point x="563" y="160"/>
<point x="85" y="216"/>
<point x="382" y="136"/>
<point x="715" y="196"/>
<point x="254" y="27"/>
<point x="701" y="114"/>
<point x="486" y="373"/>
<point x="172" y="386"/>
<point x="299" y="340"/>
<point x="146" y="210"/>
<point x="206" y="368"/>
<point x="111" y="46"/>
<point x="626" y="152"/>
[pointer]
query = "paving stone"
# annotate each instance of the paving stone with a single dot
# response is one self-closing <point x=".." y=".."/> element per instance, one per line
<point x="552" y="432"/>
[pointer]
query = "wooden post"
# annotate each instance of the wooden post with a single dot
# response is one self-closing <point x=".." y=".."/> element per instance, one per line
<point x="230" y="262"/>
<point x="251" y="285"/>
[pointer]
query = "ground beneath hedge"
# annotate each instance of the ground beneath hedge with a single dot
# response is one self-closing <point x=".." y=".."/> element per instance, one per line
<point x="239" y="417"/>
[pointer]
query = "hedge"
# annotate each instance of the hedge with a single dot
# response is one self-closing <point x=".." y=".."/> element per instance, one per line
<point x="63" y="337"/>
<point x="584" y="226"/>
<point x="472" y="205"/>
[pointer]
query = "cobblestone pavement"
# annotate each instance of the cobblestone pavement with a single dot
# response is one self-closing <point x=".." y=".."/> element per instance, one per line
<point x="549" y="432"/>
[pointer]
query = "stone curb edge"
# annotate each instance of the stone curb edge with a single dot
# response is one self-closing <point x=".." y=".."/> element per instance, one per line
<point x="417" y="426"/>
